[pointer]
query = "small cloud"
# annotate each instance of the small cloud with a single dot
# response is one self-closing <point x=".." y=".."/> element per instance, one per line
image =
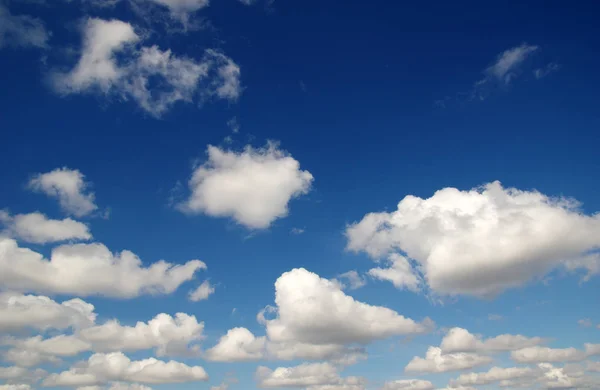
<point x="234" y="125"/>
<point x="297" y="231"/>
<point x="302" y="86"/>
<point x="353" y="280"/>
<point x="233" y="311"/>
<point x="202" y="292"/>
<point x="546" y="70"/>
<point x="585" y="322"/>
<point x="494" y="317"/>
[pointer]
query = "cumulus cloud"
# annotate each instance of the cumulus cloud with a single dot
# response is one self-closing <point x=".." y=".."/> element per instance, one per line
<point x="38" y="229"/>
<point x="21" y="30"/>
<point x="399" y="272"/>
<point x="307" y="375"/>
<point x="253" y="187"/>
<point x="352" y="280"/>
<point x="69" y="187"/>
<point x="539" y="354"/>
<point x="89" y="269"/>
<point x="495" y="374"/>
<point x="239" y="344"/>
<point x="480" y="242"/>
<point x="461" y="340"/>
<point x="155" y="79"/>
<point x="435" y="361"/>
<point x="408" y="384"/>
<point x="201" y="293"/>
<point x="301" y="296"/>
<point x="103" y="368"/>
<point x="18" y="312"/>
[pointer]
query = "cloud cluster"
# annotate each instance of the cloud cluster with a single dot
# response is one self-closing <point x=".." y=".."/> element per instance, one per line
<point x="313" y="376"/>
<point x="21" y="30"/>
<point x="461" y="340"/>
<point x="155" y="79"/>
<point x="253" y="186"/>
<point x="483" y="241"/>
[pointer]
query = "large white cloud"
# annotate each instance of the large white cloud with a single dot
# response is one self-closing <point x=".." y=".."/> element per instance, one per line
<point x="483" y="241"/>
<point x="461" y="340"/>
<point x="69" y="187"/>
<point x="89" y="269"/>
<point x="21" y="30"/>
<point x="310" y="376"/>
<point x="180" y="79"/>
<point x="408" y="384"/>
<point x="19" y="312"/>
<point x="253" y="187"/>
<point x="302" y="296"/>
<point x="103" y="368"/>
<point x="436" y="361"/>
<point x="38" y="229"/>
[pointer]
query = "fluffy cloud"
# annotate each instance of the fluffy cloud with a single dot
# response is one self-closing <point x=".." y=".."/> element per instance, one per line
<point x="239" y="344"/>
<point x="508" y="62"/>
<point x="153" y="78"/>
<point x="253" y="187"/>
<point x="18" y="312"/>
<point x="408" y="384"/>
<point x="38" y="229"/>
<point x="311" y="376"/>
<point x="89" y="269"/>
<point x="202" y="292"/>
<point x="480" y="242"/>
<point x="353" y="280"/>
<point x="399" y="272"/>
<point x="15" y="387"/>
<point x="495" y="374"/>
<point x="435" y="361"/>
<point x="301" y="296"/>
<point x="102" y="368"/>
<point x="550" y="355"/>
<point x="181" y="9"/>
<point x="461" y="340"/>
<point x="21" y="30"/>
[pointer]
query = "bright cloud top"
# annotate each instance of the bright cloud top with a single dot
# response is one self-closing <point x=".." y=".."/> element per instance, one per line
<point x="69" y="187"/>
<point x="253" y="187"/>
<point x="89" y="269"/>
<point x="180" y="77"/>
<point x="38" y="229"/>
<point x="483" y="241"/>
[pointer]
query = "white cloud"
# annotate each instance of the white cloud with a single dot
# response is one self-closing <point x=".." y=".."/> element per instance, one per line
<point x="181" y="9"/>
<point x="102" y="368"/>
<point x="153" y="78"/>
<point x="480" y="242"/>
<point x="12" y="372"/>
<point x="301" y="296"/>
<point x="89" y="269"/>
<point x="546" y="70"/>
<point x="593" y="366"/>
<point x="37" y="228"/>
<point x="435" y="361"/>
<point x="550" y="355"/>
<point x="21" y="30"/>
<point x="69" y="187"/>
<point x="495" y="374"/>
<point x="18" y="312"/>
<point x="201" y="293"/>
<point x="239" y="344"/>
<point x="354" y="280"/>
<point x="253" y="187"/>
<point x="400" y="273"/>
<point x="311" y="376"/>
<point x="508" y="62"/>
<point x="15" y="387"/>
<point x="408" y="384"/>
<point x="461" y="340"/>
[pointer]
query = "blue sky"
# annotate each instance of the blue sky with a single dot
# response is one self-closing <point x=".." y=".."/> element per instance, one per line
<point x="377" y="179"/>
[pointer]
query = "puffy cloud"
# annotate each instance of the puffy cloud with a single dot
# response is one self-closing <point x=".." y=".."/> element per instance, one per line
<point x="435" y="361"/>
<point x="153" y="78"/>
<point x="562" y="378"/>
<point x="21" y="30"/>
<point x="495" y="374"/>
<point x="202" y="292"/>
<point x="18" y="312"/>
<point x="12" y="372"/>
<point x="181" y="9"/>
<point x="480" y="242"/>
<point x="311" y="376"/>
<point x="400" y="273"/>
<point x="547" y="355"/>
<point x="239" y="344"/>
<point x="353" y="280"/>
<point x="68" y="186"/>
<point x="408" y="384"/>
<point x="103" y="368"/>
<point x="301" y="296"/>
<point x="38" y="229"/>
<point x="89" y="269"/>
<point x="253" y="187"/>
<point x="461" y="340"/>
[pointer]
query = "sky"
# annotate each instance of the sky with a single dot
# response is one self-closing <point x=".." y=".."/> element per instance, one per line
<point x="266" y="194"/>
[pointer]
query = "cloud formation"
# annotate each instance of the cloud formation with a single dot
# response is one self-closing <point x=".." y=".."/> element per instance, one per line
<point x="38" y="229"/>
<point x="311" y="376"/>
<point x="435" y="361"/>
<point x="253" y="186"/>
<point x="483" y="241"/>
<point x="21" y="30"/>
